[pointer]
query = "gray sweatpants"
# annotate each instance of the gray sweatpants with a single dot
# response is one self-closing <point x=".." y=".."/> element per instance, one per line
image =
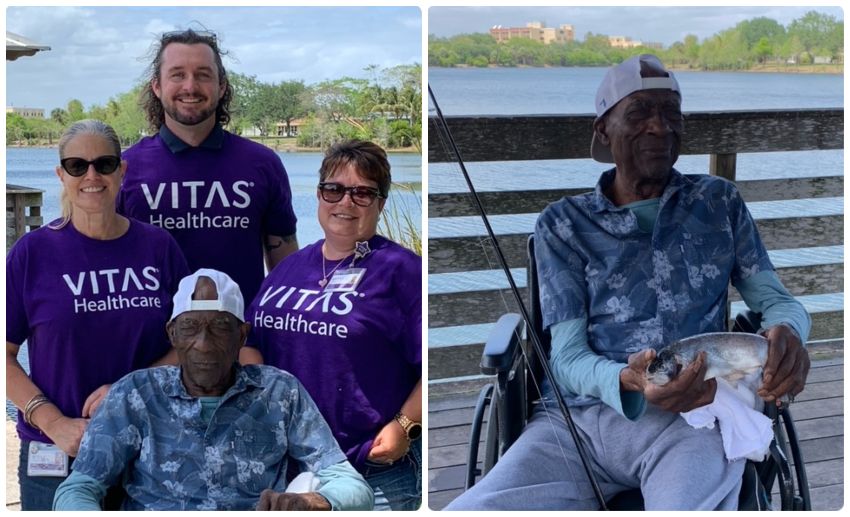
<point x="676" y="466"/>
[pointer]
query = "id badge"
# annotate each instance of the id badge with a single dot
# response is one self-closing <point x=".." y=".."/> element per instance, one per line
<point x="345" y="280"/>
<point x="46" y="460"/>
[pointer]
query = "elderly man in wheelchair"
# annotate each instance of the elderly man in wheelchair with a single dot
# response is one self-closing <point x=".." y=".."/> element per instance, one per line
<point x="643" y="260"/>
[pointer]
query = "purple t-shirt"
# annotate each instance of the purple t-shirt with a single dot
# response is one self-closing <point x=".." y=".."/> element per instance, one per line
<point x="358" y="353"/>
<point x="91" y="311"/>
<point x="217" y="201"/>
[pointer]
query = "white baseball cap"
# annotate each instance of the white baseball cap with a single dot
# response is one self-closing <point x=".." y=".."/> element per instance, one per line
<point x="620" y="82"/>
<point x="229" y="296"/>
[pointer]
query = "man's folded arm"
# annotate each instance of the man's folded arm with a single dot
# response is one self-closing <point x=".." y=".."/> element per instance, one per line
<point x="345" y="488"/>
<point x="580" y="370"/>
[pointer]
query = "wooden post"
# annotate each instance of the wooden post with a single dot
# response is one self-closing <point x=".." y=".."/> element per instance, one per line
<point x="23" y="212"/>
<point x="20" y="215"/>
<point x="723" y="165"/>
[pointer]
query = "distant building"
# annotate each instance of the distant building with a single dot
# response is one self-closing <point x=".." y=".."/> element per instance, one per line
<point x="534" y="31"/>
<point x="623" y="42"/>
<point x="26" y="112"/>
<point x="294" y="127"/>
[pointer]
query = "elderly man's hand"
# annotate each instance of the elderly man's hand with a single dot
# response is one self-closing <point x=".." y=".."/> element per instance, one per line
<point x="633" y="377"/>
<point x="685" y="392"/>
<point x="271" y="500"/>
<point x="787" y="365"/>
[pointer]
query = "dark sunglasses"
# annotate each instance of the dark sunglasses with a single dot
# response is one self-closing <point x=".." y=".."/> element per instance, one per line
<point x="362" y="196"/>
<point x="79" y="167"/>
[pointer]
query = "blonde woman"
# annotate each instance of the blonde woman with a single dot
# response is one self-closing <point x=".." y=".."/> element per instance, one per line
<point x="90" y="294"/>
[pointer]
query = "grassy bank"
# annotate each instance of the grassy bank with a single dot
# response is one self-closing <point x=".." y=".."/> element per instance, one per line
<point x="775" y="68"/>
<point x="286" y="145"/>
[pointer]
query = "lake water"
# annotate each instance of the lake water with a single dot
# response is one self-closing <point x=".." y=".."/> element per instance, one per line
<point x="31" y="167"/>
<point x="35" y="168"/>
<point x="515" y="91"/>
<point x="528" y="91"/>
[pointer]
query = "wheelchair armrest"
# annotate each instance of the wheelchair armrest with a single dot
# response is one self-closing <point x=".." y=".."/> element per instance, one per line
<point x="501" y="345"/>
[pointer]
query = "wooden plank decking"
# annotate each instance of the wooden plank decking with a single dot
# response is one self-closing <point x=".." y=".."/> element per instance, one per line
<point x="818" y="414"/>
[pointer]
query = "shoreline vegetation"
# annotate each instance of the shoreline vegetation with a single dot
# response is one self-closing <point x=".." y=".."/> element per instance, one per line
<point x="813" y="43"/>
<point x="834" y="69"/>
<point x="385" y="108"/>
<point x="280" y="144"/>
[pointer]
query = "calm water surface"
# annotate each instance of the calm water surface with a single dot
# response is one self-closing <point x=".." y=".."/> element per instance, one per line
<point x="35" y="168"/>
<point x="514" y="91"/>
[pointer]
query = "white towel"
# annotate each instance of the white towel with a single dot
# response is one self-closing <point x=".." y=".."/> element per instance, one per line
<point x="746" y="432"/>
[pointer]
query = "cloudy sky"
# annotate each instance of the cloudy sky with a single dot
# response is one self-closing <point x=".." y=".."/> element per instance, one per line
<point x="99" y="52"/>
<point x="659" y="24"/>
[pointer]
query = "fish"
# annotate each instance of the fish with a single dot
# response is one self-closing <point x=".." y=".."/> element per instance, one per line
<point x="729" y="355"/>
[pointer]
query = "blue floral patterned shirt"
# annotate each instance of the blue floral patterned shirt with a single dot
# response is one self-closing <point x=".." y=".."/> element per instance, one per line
<point x="642" y="289"/>
<point x="149" y="432"/>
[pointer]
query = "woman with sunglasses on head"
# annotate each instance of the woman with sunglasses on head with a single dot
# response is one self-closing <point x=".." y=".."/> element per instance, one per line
<point x="344" y="315"/>
<point x="90" y="293"/>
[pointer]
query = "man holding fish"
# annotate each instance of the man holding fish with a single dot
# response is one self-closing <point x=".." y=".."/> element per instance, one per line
<point x="641" y="262"/>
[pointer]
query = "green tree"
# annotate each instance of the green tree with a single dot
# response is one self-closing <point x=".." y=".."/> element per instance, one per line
<point x="125" y="115"/>
<point x="98" y="113"/>
<point x="815" y="31"/>
<point x="15" y="128"/>
<point x="596" y="43"/>
<point x="691" y="47"/>
<point x="245" y="90"/>
<point x="525" y="51"/>
<point x="260" y="110"/>
<point x="59" y="115"/>
<point x="335" y="99"/>
<point x="75" y="111"/>
<point x="753" y="31"/>
<point x="290" y="102"/>
<point x="763" y="49"/>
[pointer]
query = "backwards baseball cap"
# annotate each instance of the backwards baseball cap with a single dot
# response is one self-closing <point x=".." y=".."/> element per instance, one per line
<point x="229" y="296"/>
<point x="620" y="82"/>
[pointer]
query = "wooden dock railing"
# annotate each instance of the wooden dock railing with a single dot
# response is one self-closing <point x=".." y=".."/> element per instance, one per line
<point x="23" y="212"/>
<point x="816" y="236"/>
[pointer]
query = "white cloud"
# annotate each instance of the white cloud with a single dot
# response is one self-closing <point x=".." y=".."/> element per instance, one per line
<point x="99" y="52"/>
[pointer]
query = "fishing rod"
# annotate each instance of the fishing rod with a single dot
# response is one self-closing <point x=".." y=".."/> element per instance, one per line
<point x="535" y="339"/>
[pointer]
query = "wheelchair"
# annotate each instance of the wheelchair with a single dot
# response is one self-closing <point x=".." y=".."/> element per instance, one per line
<point x="510" y="399"/>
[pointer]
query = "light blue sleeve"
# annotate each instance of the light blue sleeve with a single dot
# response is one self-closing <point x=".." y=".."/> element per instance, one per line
<point x="579" y="370"/>
<point x="79" y="492"/>
<point x="345" y="488"/>
<point x="764" y="293"/>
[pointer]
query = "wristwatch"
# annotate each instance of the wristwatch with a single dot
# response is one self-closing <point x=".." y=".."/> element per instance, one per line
<point x="411" y="428"/>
